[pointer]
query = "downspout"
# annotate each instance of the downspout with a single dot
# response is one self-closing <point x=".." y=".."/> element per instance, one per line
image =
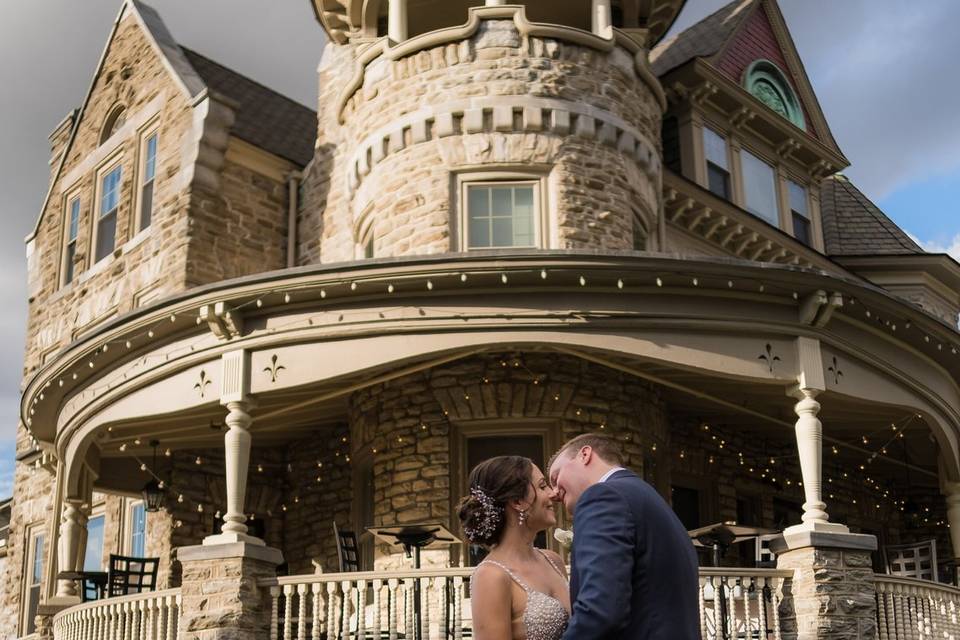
<point x="293" y="191"/>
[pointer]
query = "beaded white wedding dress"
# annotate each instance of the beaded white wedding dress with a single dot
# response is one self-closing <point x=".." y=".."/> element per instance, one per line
<point x="545" y="618"/>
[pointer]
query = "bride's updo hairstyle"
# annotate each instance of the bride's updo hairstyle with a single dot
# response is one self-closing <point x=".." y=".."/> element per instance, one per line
<point x="493" y="484"/>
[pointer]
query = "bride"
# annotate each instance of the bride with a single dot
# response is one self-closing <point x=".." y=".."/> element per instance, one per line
<point x="518" y="591"/>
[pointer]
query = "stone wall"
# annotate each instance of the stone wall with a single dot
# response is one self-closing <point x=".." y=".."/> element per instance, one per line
<point x="201" y="231"/>
<point x="411" y="427"/>
<point x="495" y="101"/>
<point x="239" y="230"/>
<point x="321" y="493"/>
<point x="145" y="265"/>
<point x="32" y="495"/>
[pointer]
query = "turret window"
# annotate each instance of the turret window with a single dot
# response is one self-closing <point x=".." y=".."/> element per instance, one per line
<point x="502" y="214"/>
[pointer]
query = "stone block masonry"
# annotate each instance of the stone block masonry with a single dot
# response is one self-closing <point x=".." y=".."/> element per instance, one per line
<point x="832" y="595"/>
<point x="497" y="101"/>
<point x="410" y="433"/>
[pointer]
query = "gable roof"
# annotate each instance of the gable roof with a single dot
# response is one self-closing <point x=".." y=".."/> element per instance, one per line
<point x="711" y="37"/>
<point x="264" y="117"/>
<point x="855" y="226"/>
<point x="701" y="40"/>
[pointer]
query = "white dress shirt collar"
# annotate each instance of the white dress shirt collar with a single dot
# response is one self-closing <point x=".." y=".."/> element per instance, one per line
<point x="607" y="475"/>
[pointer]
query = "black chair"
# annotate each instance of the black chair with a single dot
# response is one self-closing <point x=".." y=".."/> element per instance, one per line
<point x="348" y="552"/>
<point x="127" y="574"/>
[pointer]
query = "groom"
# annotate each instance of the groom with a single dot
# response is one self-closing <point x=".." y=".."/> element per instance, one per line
<point x="634" y="570"/>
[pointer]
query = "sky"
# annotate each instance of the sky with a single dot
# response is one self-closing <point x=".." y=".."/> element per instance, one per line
<point x="882" y="70"/>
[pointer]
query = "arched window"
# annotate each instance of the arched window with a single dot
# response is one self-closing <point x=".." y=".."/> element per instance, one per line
<point x="115" y="120"/>
<point x="769" y="85"/>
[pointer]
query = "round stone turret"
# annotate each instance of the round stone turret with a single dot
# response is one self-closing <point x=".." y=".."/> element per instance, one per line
<point x="482" y="127"/>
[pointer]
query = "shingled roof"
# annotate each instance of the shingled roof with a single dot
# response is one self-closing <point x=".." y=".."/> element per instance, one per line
<point x="702" y="40"/>
<point x="265" y="118"/>
<point x="854" y="226"/>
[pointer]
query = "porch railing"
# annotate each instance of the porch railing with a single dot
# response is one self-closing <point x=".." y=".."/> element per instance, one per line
<point x="154" y="615"/>
<point x="916" y="609"/>
<point x="734" y="603"/>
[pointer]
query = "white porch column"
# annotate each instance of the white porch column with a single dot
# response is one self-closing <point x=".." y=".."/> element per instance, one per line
<point x="809" y="434"/>
<point x="237" y="462"/>
<point x="397" y="20"/>
<point x="601" y="18"/>
<point x="235" y="396"/>
<point x="72" y="523"/>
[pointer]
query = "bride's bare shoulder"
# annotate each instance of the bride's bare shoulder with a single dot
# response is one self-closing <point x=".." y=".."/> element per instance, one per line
<point x="490" y="586"/>
<point x="489" y="575"/>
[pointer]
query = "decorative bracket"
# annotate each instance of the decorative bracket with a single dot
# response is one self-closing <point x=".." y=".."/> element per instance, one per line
<point x="223" y="322"/>
<point x="817" y="308"/>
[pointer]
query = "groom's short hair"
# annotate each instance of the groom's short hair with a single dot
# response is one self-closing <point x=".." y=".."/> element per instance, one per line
<point x="603" y="445"/>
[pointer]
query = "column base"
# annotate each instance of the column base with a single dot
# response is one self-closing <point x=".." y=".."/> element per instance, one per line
<point x="231" y="538"/>
<point x="57" y="604"/>
<point x="831" y="595"/>
<point x="220" y="592"/>
<point x="816" y="527"/>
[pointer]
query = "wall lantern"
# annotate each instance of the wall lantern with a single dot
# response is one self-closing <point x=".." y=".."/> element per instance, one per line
<point x="153" y="492"/>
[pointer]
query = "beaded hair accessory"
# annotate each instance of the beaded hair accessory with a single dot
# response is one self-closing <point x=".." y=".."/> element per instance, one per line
<point x="490" y="516"/>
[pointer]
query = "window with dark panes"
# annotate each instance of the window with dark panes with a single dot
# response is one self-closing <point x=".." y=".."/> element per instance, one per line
<point x="799" y="213"/>
<point x="718" y="165"/>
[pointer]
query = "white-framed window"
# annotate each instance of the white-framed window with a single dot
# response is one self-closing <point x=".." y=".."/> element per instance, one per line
<point x="93" y="554"/>
<point x="718" y="163"/>
<point x="800" y="212"/>
<point x="33" y="571"/>
<point x="759" y="188"/>
<point x="136" y="543"/>
<point x="108" y="204"/>
<point x="501" y="214"/>
<point x="71" y="230"/>
<point x="148" y="174"/>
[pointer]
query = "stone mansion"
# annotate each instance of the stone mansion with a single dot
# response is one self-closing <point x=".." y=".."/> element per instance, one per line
<point x="504" y="225"/>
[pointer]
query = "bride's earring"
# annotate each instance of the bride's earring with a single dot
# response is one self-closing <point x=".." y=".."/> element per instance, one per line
<point x="523" y="518"/>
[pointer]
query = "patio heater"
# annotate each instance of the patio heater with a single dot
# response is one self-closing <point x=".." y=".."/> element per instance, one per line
<point x="153" y="492"/>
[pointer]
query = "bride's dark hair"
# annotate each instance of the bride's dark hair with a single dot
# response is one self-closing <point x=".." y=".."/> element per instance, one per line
<point x="493" y="484"/>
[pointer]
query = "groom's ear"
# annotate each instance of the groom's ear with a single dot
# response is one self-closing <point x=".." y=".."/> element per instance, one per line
<point x="585" y="455"/>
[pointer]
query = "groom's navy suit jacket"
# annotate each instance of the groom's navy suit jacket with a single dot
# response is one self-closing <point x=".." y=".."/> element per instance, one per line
<point x="634" y="570"/>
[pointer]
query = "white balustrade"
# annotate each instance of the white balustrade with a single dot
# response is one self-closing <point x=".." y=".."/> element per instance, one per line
<point x="355" y="606"/>
<point x="741" y="603"/>
<point x="143" y="616"/>
<point x="911" y="609"/>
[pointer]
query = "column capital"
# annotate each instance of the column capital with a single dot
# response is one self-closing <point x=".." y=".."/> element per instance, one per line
<point x="235" y="385"/>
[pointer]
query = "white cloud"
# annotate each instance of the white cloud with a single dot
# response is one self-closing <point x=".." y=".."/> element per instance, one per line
<point x="953" y="248"/>
<point x="7" y="463"/>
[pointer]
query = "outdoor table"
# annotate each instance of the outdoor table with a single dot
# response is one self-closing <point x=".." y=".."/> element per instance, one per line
<point x="98" y="578"/>
<point x="720" y="537"/>
<point x="413" y="538"/>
